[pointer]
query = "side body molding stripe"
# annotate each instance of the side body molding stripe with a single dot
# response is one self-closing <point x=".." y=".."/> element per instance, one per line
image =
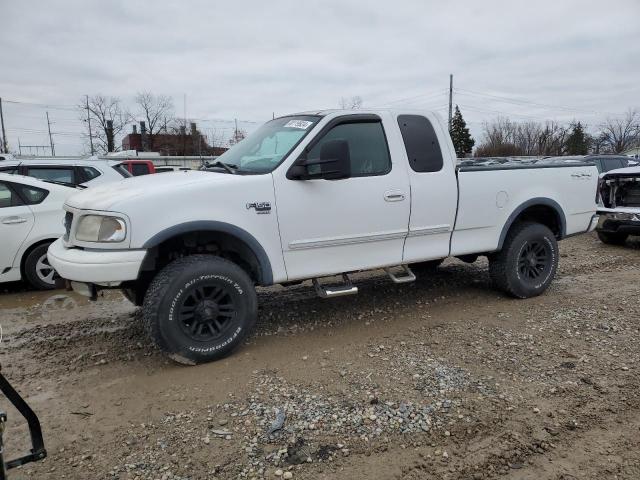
<point x="266" y="273"/>
<point x="532" y="203"/>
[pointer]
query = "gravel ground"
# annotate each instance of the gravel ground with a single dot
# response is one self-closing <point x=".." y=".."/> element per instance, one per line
<point x="444" y="378"/>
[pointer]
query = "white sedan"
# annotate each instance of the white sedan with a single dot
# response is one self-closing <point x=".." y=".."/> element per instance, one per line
<point x="31" y="217"/>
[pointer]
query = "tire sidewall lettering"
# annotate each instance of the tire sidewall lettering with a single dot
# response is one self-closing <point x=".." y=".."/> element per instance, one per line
<point x="554" y="259"/>
<point x="172" y="316"/>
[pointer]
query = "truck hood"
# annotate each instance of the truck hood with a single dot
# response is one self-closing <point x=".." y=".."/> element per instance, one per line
<point x="622" y="172"/>
<point x="109" y="196"/>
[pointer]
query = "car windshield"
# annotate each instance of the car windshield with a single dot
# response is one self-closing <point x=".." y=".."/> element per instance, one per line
<point x="264" y="149"/>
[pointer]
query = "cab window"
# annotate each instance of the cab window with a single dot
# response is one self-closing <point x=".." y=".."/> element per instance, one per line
<point x="368" y="148"/>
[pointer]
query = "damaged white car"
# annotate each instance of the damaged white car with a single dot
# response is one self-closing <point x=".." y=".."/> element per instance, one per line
<point x="619" y="210"/>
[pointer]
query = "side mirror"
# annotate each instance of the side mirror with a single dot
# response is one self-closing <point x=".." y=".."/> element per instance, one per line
<point x="334" y="163"/>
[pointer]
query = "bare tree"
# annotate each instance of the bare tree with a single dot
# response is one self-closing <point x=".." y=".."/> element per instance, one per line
<point x="353" y="103"/>
<point x="237" y="137"/>
<point x="620" y="134"/>
<point x="157" y="113"/>
<point x="108" y="118"/>
<point x="503" y="137"/>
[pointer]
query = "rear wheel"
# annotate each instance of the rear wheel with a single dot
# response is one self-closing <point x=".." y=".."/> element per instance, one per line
<point x="527" y="262"/>
<point x="37" y="270"/>
<point x="613" y="238"/>
<point x="199" y="308"/>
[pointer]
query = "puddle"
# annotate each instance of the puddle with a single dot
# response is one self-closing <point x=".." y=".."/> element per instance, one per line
<point x="20" y="309"/>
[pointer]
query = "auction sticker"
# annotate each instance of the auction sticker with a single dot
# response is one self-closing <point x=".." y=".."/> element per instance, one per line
<point x="301" y="124"/>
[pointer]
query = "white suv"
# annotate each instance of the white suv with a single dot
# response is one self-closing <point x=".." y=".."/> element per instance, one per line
<point x="31" y="217"/>
<point x="87" y="172"/>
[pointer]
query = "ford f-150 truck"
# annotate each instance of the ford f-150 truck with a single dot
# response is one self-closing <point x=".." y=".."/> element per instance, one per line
<point x="307" y="196"/>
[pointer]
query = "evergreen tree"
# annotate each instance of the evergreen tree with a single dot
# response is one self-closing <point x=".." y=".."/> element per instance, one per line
<point x="462" y="140"/>
<point x="577" y="141"/>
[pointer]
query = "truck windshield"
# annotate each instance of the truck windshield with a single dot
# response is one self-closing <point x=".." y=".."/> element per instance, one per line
<point x="264" y="149"/>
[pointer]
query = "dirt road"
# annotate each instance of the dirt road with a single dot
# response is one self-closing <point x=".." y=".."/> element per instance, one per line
<point x="443" y="378"/>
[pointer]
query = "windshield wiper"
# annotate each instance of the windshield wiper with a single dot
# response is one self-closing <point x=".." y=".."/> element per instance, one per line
<point x="229" y="167"/>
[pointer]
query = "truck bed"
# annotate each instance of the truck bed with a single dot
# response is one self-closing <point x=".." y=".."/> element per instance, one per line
<point x="489" y="195"/>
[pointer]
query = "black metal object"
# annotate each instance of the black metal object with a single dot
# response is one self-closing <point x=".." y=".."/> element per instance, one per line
<point x="38" y="452"/>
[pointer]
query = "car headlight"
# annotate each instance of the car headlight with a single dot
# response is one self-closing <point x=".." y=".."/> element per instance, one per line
<point x="98" y="228"/>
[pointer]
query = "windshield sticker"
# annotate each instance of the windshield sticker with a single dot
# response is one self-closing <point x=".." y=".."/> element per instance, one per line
<point x="301" y="124"/>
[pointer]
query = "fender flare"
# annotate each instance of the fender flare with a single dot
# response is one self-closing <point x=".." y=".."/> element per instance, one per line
<point x="265" y="274"/>
<point x="547" y="202"/>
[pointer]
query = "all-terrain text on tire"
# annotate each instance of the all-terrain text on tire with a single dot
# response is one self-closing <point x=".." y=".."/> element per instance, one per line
<point x="199" y="308"/>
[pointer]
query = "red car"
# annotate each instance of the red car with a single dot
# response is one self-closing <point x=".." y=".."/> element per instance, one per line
<point x="139" y="167"/>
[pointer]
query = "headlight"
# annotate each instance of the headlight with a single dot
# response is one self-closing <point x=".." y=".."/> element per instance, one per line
<point x="97" y="228"/>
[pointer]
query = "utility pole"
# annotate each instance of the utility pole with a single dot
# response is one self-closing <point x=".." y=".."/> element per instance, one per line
<point x="450" y="98"/>
<point x="89" y="124"/>
<point x="53" y="150"/>
<point x="235" y="135"/>
<point x="3" y="145"/>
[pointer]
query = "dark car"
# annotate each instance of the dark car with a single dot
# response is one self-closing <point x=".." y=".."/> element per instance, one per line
<point x="604" y="163"/>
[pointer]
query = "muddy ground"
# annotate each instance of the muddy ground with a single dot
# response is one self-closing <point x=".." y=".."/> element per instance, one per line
<point x="442" y="378"/>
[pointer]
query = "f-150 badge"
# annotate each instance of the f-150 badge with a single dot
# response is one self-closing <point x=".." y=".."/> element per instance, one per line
<point x="260" y="207"/>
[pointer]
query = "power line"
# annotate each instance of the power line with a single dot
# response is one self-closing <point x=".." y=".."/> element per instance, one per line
<point x="426" y="95"/>
<point x="45" y="105"/>
<point x="518" y="101"/>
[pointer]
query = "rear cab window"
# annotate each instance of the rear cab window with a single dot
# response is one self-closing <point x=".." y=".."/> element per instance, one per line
<point x="421" y="143"/>
<point x="139" y="169"/>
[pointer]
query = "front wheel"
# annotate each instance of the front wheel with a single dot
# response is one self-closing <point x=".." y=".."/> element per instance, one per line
<point x="199" y="308"/>
<point x="613" y="238"/>
<point x="527" y="262"/>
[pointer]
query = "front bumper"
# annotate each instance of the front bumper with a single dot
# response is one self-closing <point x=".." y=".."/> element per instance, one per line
<point x="616" y="222"/>
<point x="101" y="267"/>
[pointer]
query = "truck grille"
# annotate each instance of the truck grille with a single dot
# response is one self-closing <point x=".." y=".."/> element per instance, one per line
<point x="631" y="195"/>
<point x="68" y="220"/>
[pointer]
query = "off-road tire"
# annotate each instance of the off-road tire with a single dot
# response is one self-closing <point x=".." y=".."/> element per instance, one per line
<point x="422" y="269"/>
<point x="613" y="238"/>
<point x="176" y="285"/>
<point x="31" y="268"/>
<point x="505" y="267"/>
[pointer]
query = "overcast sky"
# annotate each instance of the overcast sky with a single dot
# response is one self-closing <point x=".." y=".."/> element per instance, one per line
<point x="247" y="59"/>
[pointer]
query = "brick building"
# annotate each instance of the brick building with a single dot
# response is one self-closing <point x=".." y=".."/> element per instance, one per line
<point x="179" y="143"/>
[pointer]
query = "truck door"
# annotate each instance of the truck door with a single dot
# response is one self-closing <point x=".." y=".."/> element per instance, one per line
<point x="434" y="189"/>
<point x="335" y="226"/>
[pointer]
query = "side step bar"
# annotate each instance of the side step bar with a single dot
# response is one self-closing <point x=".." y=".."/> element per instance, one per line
<point x="347" y="288"/>
<point x="404" y="276"/>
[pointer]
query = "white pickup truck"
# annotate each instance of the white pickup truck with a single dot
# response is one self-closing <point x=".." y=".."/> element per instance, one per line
<point x="307" y="196"/>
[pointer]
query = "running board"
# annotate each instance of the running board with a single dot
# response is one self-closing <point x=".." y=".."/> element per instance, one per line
<point x="335" y="291"/>
<point x="404" y="276"/>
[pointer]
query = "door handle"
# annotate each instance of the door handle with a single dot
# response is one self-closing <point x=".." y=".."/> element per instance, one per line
<point x="13" y="220"/>
<point x="394" y="196"/>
